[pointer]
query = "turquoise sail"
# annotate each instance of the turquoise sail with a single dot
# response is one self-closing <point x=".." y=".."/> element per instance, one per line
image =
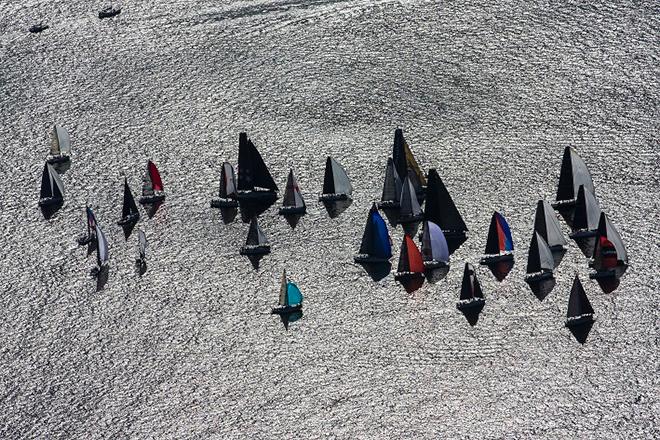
<point x="294" y="297"/>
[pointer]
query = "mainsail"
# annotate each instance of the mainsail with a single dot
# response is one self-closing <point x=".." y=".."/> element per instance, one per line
<point x="470" y="287"/>
<point x="142" y="244"/>
<point x="410" y="259"/>
<point x="335" y="179"/>
<point x="392" y="185"/>
<point x="540" y="256"/>
<point x="51" y="184"/>
<point x="256" y="237"/>
<point x="547" y="225"/>
<point x="101" y="247"/>
<point x="227" y="181"/>
<point x="375" y="240"/>
<point x="499" y="236"/>
<point x="609" y="250"/>
<point x="405" y="163"/>
<point x="129" y="208"/>
<point x="60" y="143"/>
<point x="587" y="211"/>
<point x="434" y="244"/>
<point x="252" y="171"/>
<point x="578" y="303"/>
<point x="574" y="172"/>
<point x="440" y="208"/>
<point x="292" y="195"/>
<point x="290" y="295"/>
<point x="409" y="204"/>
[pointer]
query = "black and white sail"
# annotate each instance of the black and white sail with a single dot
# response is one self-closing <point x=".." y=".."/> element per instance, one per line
<point x="293" y="202"/>
<point x="587" y="211"/>
<point x="102" y="255"/>
<point x="547" y="225"/>
<point x="129" y="210"/>
<point x="540" y="258"/>
<point x="336" y="184"/>
<point x="253" y="174"/>
<point x="60" y="145"/>
<point x="574" y="173"/>
<point x="471" y="293"/>
<point x="406" y="165"/>
<point x="227" y="181"/>
<point x="52" y="188"/>
<point x="391" y="187"/>
<point x="410" y="211"/>
<point x="579" y="307"/>
<point x="256" y="242"/>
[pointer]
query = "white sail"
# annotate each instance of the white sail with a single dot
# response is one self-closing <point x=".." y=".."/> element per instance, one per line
<point x="101" y="247"/>
<point x="439" y="248"/>
<point x="553" y="230"/>
<point x="342" y="183"/>
<point x="230" y="179"/>
<point x="592" y="209"/>
<point x="55" y="182"/>
<point x="545" y="254"/>
<point x="261" y="236"/>
<point x="409" y="202"/>
<point x="63" y="140"/>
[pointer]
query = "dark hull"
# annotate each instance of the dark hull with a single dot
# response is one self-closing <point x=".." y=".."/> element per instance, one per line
<point x="563" y="204"/>
<point x="50" y="201"/>
<point x="575" y="322"/>
<point x="58" y="159"/>
<point x="129" y="219"/>
<point x="258" y="250"/>
<point x="388" y="204"/>
<point x="292" y="210"/>
<point x="286" y="310"/>
<point x="84" y="240"/>
<point x="368" y="259"/>
<point x="37" y="28"/>
<point x="430" y="265"/>
<point x="542" y="276"/>
<point x="145" y="200"/>
<point x="406" y="277"/>
<point x="257" y="196"/>
<point x="470" y="304"/>
<point x="224" y="203"/>
<point x="109" y="13"/>
<point x="333" y="197"/>
<point x="489" y="259"/>
<point x="581" y="235"/>
<point x="404" y="219"/>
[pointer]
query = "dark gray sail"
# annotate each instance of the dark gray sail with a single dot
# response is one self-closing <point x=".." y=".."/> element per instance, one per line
<point x="129" y="208"/>
<point x="252" y="171"/>
<point x="578" y="303"/>
<point x="292" y="195"/>
<point x="574" y="172"/>
<point x="51" y="184"/>
<point x="540" y="257"/>
<point x="547" y="225"/>
<point x="440" y="208"/>
<point x="392" y="184"/>
<point x="587" y="211"/>
<point x="470" y="287"/>
<point x="255" y="237"/>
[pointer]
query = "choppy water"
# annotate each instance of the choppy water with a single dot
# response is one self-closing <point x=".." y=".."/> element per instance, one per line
<point x="489" y="94"/>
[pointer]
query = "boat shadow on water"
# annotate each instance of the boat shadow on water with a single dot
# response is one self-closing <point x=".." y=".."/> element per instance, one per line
<point x="292" y="220"/>
<point x="581" y="332"/>
<point x="255" y="260"/>
<point x="62" y="167"/>
<point x="471" y="314"/>
<point x="101" y="276"/>
<point x="377" y="271"/>
<point x="250" y="209"/>
<point x="336" y="207"/>
<point x="50" y="210"/>
<point x="500" y="269"/>
<point x="542" y="288"/>
<point x="228" y="215"/>
<point x="152" y="208"/>
<point x="128" y="229"/>
<point x="288" y="318"/>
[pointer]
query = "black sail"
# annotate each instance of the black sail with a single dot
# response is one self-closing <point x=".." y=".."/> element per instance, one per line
<point x="440" y="208"/>
<point x="578" y="303"/>
<point x="470" y="287"/>
<point x="368" y="241"/>
<point x="399" y="154"/>
<point x="534" y="257"/>
<point x="252" y="171"/>
<point x="46" y="188"/>
<point x="129" y="207"/>
<point x="328" y="178"/>
<point x="587" y="211"/>
<point x="492" y="244"/>
<point x="404" y="263"/>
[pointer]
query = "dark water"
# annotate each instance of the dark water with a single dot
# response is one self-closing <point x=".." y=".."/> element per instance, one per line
<point x="487" y="94"/>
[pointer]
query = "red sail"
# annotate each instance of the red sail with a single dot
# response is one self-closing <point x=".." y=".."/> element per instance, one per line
<point x="155" y="177"/>
<point x="415" y="261"/>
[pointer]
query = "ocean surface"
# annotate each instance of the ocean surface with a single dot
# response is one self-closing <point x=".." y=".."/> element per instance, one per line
<point x="489" y="93"/>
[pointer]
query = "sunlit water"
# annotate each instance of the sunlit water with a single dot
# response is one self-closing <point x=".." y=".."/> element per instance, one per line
<point x="489" y="95"/>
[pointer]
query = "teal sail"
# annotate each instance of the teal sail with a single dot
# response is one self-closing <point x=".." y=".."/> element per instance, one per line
<point x="294" y="296"/>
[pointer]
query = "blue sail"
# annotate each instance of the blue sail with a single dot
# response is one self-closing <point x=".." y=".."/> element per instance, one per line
<point x="508" y="240"/>
<point x="382" y="247"/>
<point x="294" y="297"/>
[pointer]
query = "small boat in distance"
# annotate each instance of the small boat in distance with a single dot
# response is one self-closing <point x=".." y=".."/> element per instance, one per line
<point x="256" y="243"/>
<point x="129" y="210"/>
<point x="102" y="255"/>
<point x="579" y="308"/>
<point x="52" y="188"/>
<point x="410" y="272"/>
<point x="293" y="203"/>
<point x="499" y="246"/>
<point x="610" y="259"/>
<point x="406" y="165"/>
<point x="375" y="247"/>
<point x="255" y="184"/>
<point x="336" y="185"/>
<point x="574" y="172"/>
<point x="141" y="261"/>
<point x="60" y="146"/>
<point x="290" y="297"/>
<point x="227" y="193"/>
<point x="152" y="185"/>
<point x="471" y="295"/>
<point x="540" y="262"/>
<point x="441" y="210"/>
<point x="434" y="247"/>
<point x="38" y="27"/>
<point x="410" y="213"/>
<point x="391" y="187"/>
<point x="585" y="221"/>
<point x="547" y="225"/>
<point x="109" y="11"/>
<point x="91" y="228"/>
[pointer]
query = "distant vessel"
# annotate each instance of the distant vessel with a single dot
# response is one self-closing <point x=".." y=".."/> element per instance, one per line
<point x="109" y="11"/>
<point x="255" y="184"/>
<point x="256" y="243"/>
<point x="152" y="185"/>
<point x="579" y="308"/>
<point x="585" y="221"/>
<point x="52" y="188"/>
<point x="290" y="297"/>
<point x="574" y="172"/>
<point x="60" y="146"/>
<point x="471" y="294"/>
<point x="38" y="27"/>
<point x="610" y="259"/>
<point x="547" y="225"/>
<point x="141" y="261"/>
<point x="129" y="210"/>
<point x="91" y="228"/>
<point x="441" y="210"/>
<point x="410" y="272"/>
<point x="375" y="247"/>
<point x="410" y="212"/>
<point x="434" y="247"/>
<point x="336" y="185"/>
<point x="406" y="165"/>
<point x="227" y="194"/>
<point x="540" y="262"/>
<point x="391" y="187"/>
<point x="293" y="203"/>
<point x="499" y="246"/>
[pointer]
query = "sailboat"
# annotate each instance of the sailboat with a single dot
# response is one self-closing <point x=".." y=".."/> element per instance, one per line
<point x="410" y="211"/>
<point x="540" y="262"/>
<point x="60" y="146"/>
<point x="255" y="184"/>
<point x="434" y="246"/>
<point x="141" y="261"/>
<point x="406" y="165"/>
<point x="579" y="308"/>
<point x="256" y="243"/>
<point x="152" y="185"/>
<point x="336" y="185"/>
<point x="293" y="203"/>
<point x="290" y="297"/>
<point x="375" y="247"/>
<point x="52" y="188"/>
<point x="441" y="210"/>
<point x="547" y="225"/>
<point x="91" y="228"/>
<point x="585" y="221"/>
<point x="227" y="193"/>
<point x="129" y="210"/>
<point x="499" y="246"/>
<point x="391" y="187"/>
<point x="102" y="255"/>
<point x="574" y="172"/>
<point x="610" y="259"/>
<point x="471" y="295"/>
<point x="410" y="272"/>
